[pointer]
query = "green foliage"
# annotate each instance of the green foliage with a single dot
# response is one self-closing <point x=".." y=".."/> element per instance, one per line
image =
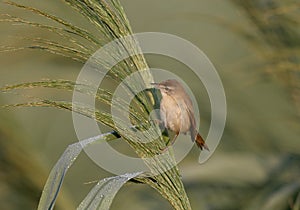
<point x="110" y="20"/>
<point x="258" y="172"/>
<point x="277" y="39"/>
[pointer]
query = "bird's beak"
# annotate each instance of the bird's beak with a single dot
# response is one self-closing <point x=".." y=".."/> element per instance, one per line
<point x="156" y="85"/>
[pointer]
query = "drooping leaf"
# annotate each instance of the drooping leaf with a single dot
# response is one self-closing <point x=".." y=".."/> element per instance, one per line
<point x="58" y="172"/>
<point x="102" y="195"/>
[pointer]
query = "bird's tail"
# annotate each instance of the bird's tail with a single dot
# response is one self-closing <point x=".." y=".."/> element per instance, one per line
<point x="201" y="143"/>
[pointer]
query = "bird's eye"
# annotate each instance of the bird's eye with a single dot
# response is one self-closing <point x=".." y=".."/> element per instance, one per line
<point x="167" y="88"/>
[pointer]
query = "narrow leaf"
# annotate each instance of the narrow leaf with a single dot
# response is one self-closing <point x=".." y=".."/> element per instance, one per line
<point x="57" y="174"/>
<point x="102" y="195"/>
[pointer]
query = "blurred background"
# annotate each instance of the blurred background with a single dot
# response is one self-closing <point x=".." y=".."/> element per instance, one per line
<point x="255" y="47"/>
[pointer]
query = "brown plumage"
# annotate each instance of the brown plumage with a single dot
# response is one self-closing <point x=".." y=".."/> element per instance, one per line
<point x="177" y="112"/>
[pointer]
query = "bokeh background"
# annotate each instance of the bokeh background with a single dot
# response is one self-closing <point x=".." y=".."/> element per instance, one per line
<point x="255" y="47"/>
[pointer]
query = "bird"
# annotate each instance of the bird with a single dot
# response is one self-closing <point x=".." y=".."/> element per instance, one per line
<point x="177" y="111"/>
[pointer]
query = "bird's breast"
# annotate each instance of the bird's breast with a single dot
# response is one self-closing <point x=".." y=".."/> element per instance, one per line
<point x="174" y="115"/>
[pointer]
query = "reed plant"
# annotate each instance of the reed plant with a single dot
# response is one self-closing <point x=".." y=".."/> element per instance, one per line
<point x="110" y="22"/>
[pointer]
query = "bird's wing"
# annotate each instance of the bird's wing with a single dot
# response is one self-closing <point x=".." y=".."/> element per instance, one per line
<point x="187" y="105"/>
<point x="190" y="111"/>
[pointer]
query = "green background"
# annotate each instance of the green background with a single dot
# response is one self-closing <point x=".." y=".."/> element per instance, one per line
<point x="256" y="165"/>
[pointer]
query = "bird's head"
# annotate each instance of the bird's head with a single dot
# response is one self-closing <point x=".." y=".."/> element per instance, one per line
<point x="168" y="87"/>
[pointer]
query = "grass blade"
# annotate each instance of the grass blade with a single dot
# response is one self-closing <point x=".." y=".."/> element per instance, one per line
<point x="58" y="172"/>
<point x="102" y="195"/>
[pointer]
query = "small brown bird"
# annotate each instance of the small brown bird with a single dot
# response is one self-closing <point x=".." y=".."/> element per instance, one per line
<point x="177" y="112"/>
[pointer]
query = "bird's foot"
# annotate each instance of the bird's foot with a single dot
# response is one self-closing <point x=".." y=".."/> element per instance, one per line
<point x="163" y="150"/>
